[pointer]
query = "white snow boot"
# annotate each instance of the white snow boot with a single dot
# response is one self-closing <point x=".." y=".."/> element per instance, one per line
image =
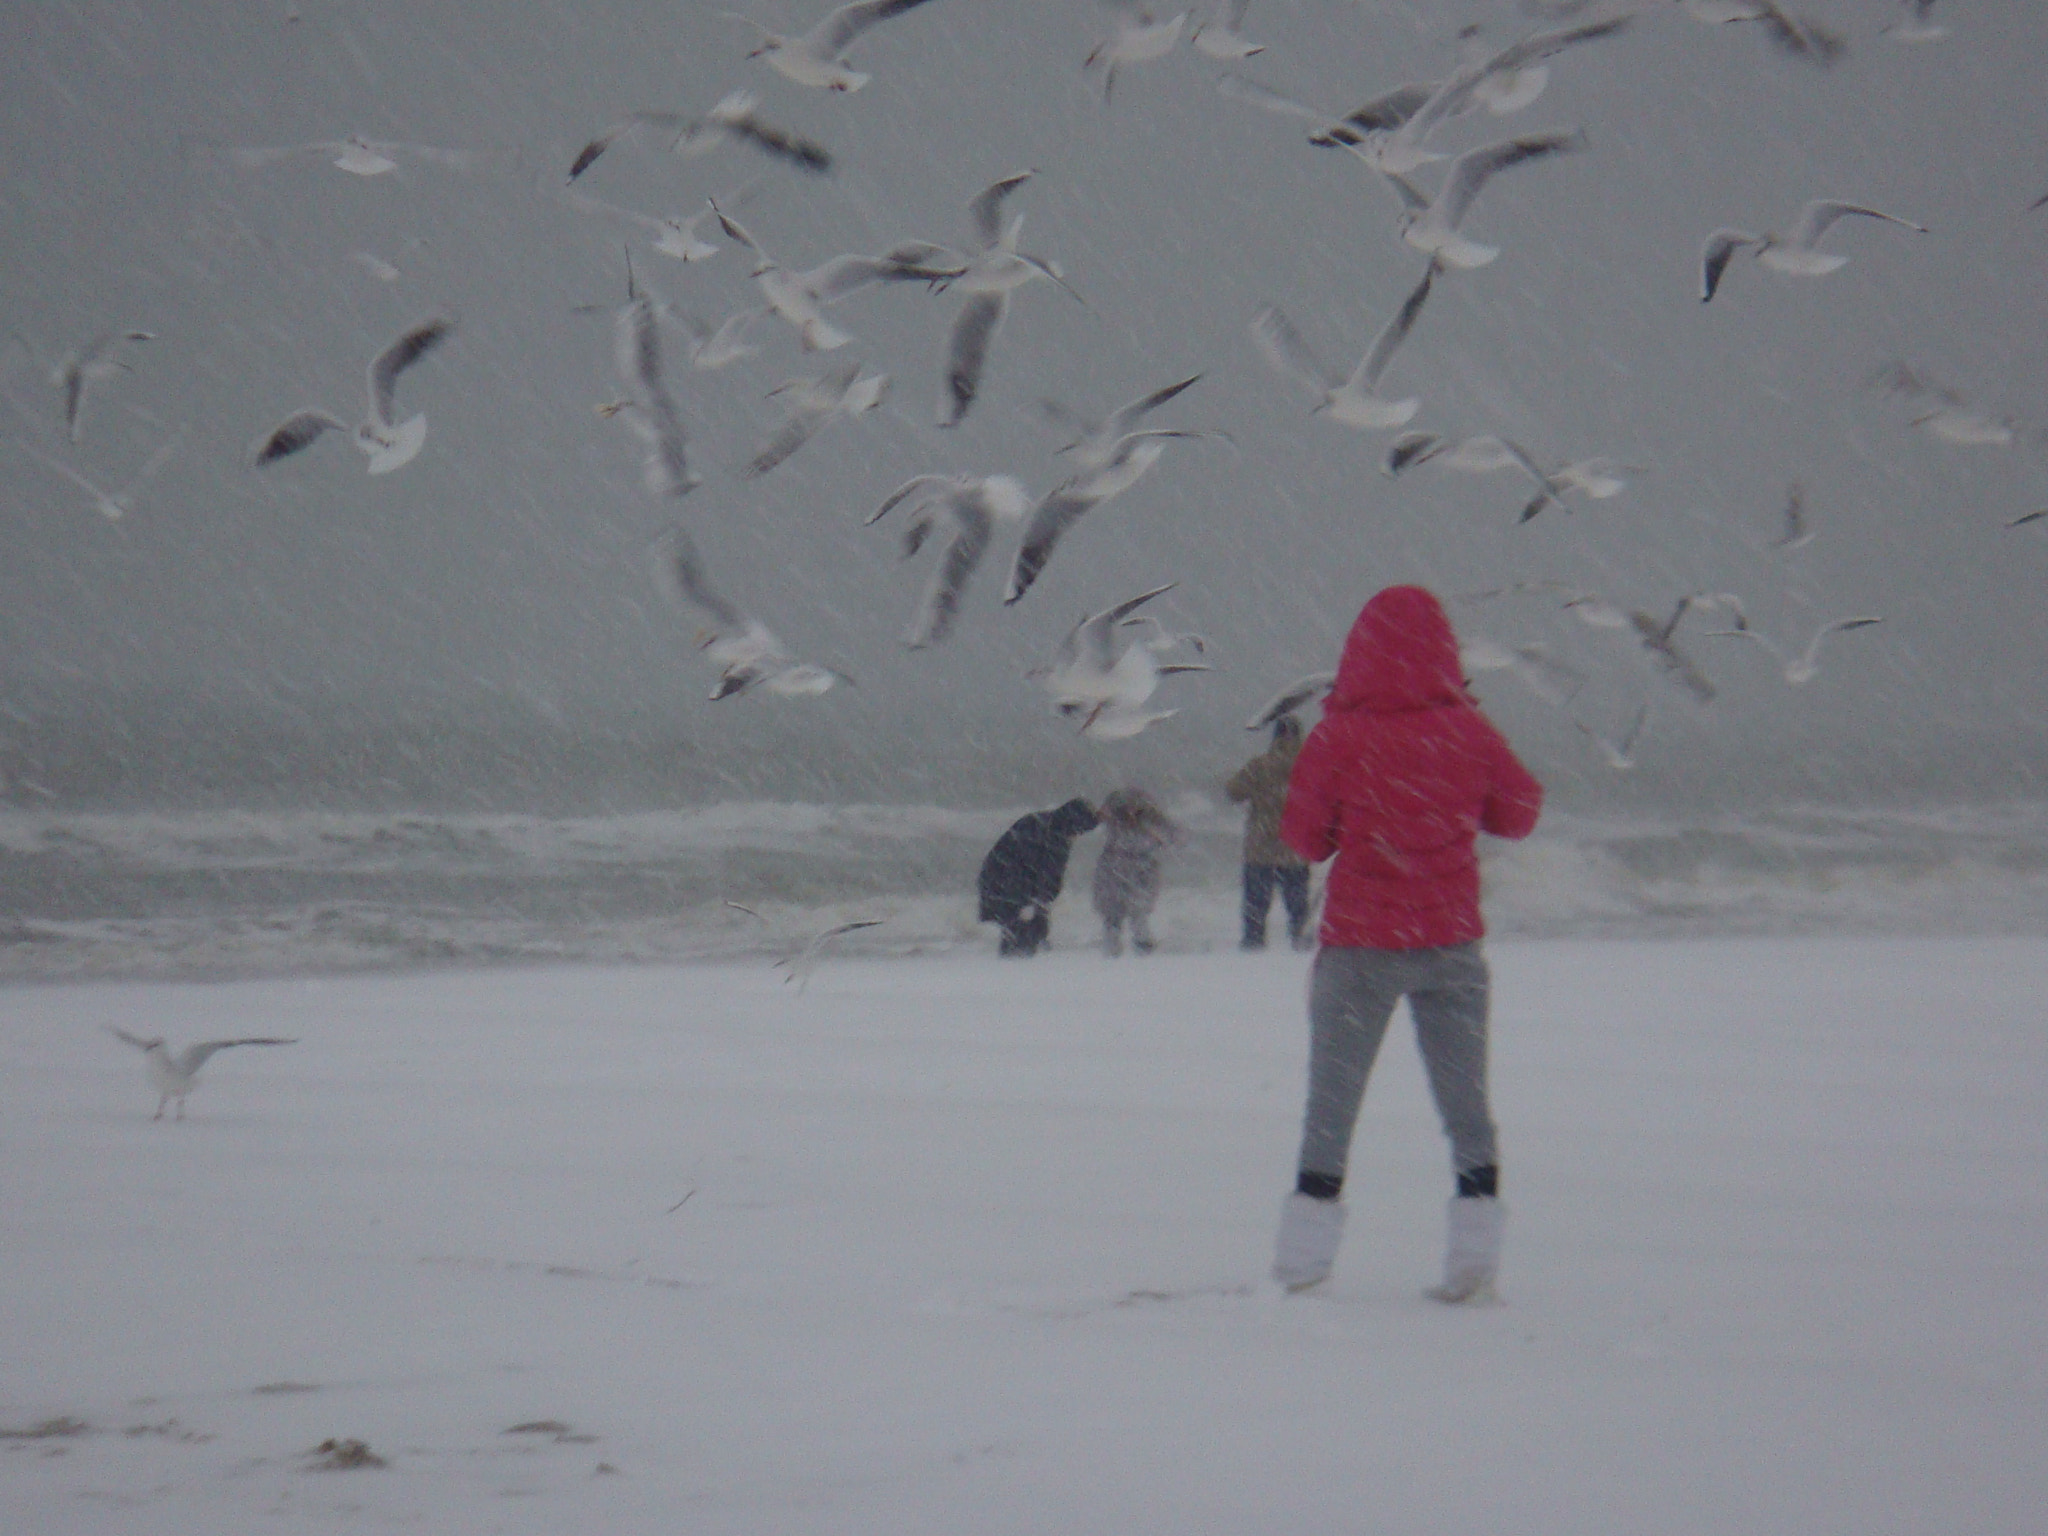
<point x="1472" y="1253"/>
<point x="1306" y="1249"/>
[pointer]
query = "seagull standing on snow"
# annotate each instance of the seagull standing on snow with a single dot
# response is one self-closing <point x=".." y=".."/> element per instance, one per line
<point x="1803" y="667"/>
<point x="987" y="277"/>
<point x="88" y="366"/>
<point x="174" y="1076"/>
<point x="1795" y="253"/>
<point x="390" y="445"/>
<point x="744" y="650"/>
<point x="816" y="58"/>
<point x="1356" y="401"/>
<point x="972" y="504"/>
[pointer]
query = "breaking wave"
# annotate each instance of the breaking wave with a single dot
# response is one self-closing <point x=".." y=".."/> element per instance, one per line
<point x="205" y="895"/>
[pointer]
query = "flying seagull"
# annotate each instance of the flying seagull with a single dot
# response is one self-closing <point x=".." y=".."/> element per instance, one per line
<point x="1620" y="751"/>
<point x="972" y="505"/>
<point x="650" y="408"/>
<point x="1110" y="456"/>
<point x="1138" y="37"/>
<point x="1400" y="148"/>
<point x="1502" y="91"/>
<point x="1347" y="130"/>
<point x="816" y="58"/>
<point x="800" y="297"/>
<point x="1431" y="225"/>
<point x="1548" y="678"/>
<point x="359" y="156"/>
<point x="987" y="277"/>
<point x="1795" y="253"/>
<point x="1073" y="499"/>
<point x="390" y="445"/>
<point x="1797" y="533"/>
<point x="1223" y="37"/>
<point x="846" y="391"/>
<point x="89" y="365"/>
<point x="1096" y="443"/>
<point x="1803" y="667"/>
<point x="1104" y="686"/>
<point x="1942" y="410"/>
<point x="1657" y="635"/>
<point x="1356" y="401"/>
<point x="1919" y="25"/>
<point x="734" y="118"/>
<point x="174" y="1075"/>
<point x="1295" y="696"/>
<point x="678" y="239"/>
<point x="744" y="650"/>
<point x="112" y="505"/>
<point x="798" y="967"/>
<point x="1796" y="36"/>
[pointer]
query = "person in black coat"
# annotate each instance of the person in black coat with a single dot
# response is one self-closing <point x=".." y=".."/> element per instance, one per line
<point x="1023" y="873"/>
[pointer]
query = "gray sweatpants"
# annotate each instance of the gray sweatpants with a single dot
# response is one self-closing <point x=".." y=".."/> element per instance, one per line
<point x="1351" y="997"/>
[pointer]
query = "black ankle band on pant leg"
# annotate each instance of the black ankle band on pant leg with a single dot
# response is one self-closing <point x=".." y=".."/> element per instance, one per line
<point x="1479" y="1184"/>
<point x="1319" y="1186"/>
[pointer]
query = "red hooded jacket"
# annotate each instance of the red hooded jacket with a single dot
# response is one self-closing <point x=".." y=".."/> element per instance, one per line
<point x="1399" y="779"/>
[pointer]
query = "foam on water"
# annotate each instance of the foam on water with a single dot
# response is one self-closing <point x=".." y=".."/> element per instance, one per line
<point x="208" y="894"/>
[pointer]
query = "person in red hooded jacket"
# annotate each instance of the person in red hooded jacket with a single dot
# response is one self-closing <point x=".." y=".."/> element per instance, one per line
<point x="1397" y="781"/>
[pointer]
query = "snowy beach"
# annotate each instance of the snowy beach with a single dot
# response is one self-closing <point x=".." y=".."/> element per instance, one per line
<point x="956" y="1245"/>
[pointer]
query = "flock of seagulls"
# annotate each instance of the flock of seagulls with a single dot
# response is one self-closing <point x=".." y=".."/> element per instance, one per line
<point x="1105" y="675"/>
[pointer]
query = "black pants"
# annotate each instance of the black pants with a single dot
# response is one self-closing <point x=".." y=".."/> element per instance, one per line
<point x="1259" y="881"/>
<point x="1025" y="930"/>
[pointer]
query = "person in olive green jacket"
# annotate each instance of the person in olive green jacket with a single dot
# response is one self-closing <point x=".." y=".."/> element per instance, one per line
<point x="1269" y="864"/>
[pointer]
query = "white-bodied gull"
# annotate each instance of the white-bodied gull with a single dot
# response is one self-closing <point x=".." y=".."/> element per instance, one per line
<point x="971" y="505"/>
<point x="746" y="653"/>
<point x="1800" y="667"/>
<point x="112" y="505"/>
<point x="1354" y="401"/>
<point x="814" y="402"/>
<point x="817" y="57"/>
<point x="174" y="1074"/>
<point x="78" y="371"/>
<point x="390" y="444"/>
<point x="1797" y="252"/>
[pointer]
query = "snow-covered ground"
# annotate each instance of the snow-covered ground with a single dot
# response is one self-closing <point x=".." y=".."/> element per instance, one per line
<point x="951" y="1245"/>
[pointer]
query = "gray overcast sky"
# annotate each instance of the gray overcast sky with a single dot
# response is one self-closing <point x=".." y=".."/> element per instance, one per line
<point x="503" y="571"/>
